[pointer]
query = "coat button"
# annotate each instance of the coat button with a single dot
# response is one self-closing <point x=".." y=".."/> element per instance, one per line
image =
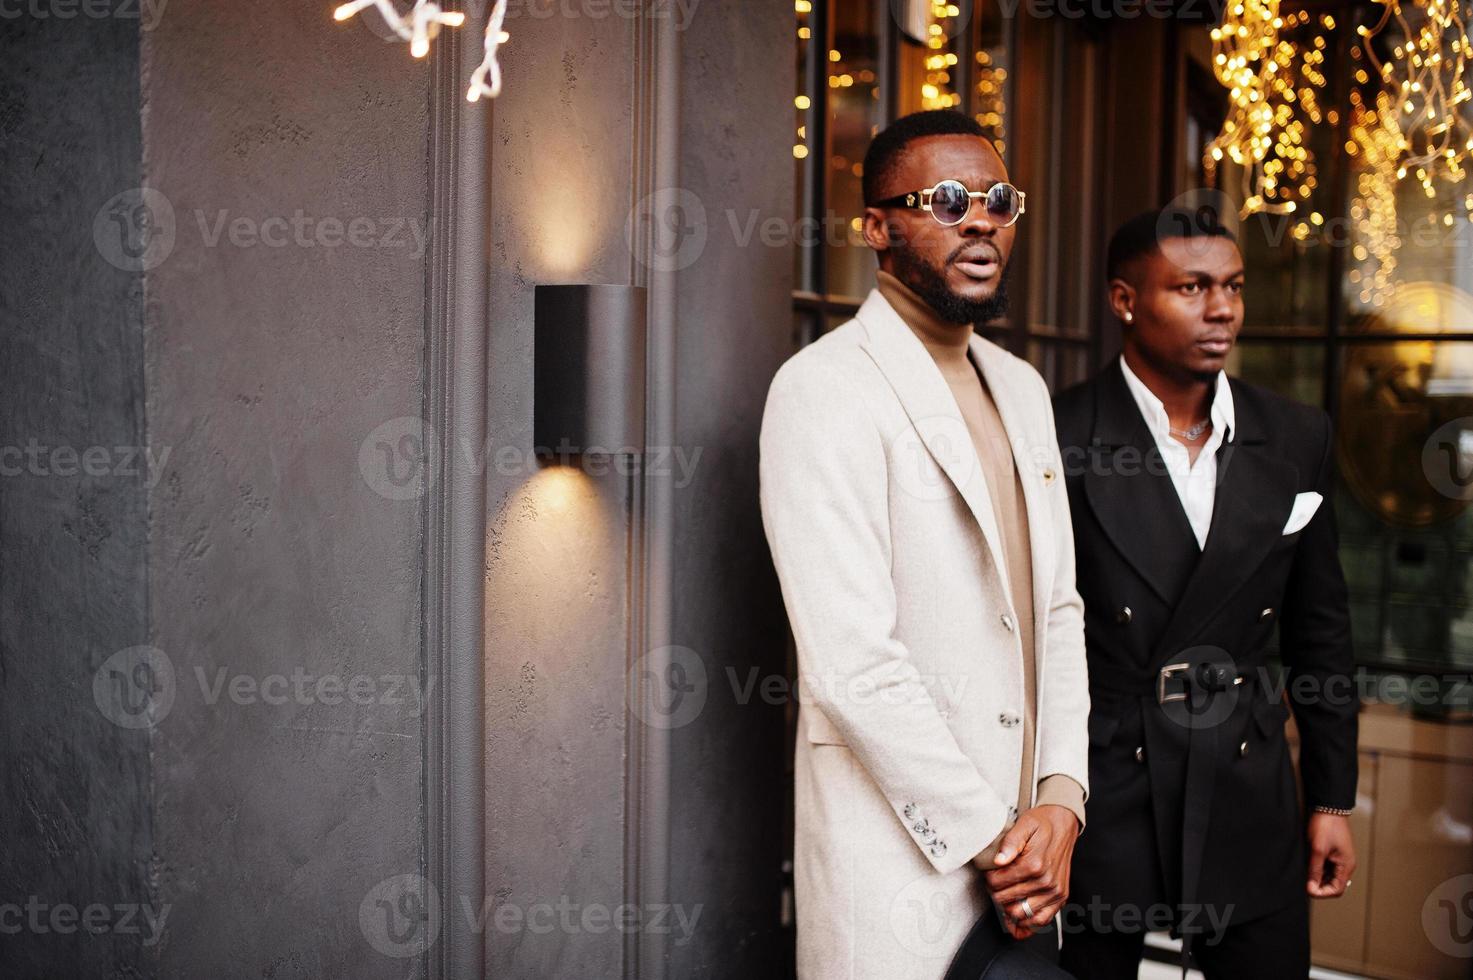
<point x="1140" y="753"/>
<point x="1007" y="621"/>
<point x="1266" y="614"/>
<point x="1007" y="720"/>
<point x="1123" y="616"/>
<point x="1243" y="749"/>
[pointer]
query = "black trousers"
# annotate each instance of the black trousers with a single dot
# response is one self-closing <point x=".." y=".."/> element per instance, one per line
<point x="1273" y="947"/>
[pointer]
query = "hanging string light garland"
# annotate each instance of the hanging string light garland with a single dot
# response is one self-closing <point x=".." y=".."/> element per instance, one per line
<point x="1415" y="123"/>
<point x="1418" y="127"/>
<point x="1376" y="141"/>
<point x="423" y="25"/>
<point x="935" y="92"/>
<point x="1274" y="89"/>
<point x="486" y="79"/>
<point x="1426" y="77"/>
<point x="992" y="104"/>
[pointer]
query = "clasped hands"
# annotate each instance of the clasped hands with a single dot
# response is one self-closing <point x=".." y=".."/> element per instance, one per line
<point x="1032" y="867"/>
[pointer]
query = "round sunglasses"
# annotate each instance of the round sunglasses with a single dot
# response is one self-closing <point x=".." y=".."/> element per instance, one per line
<point x="949" y="202"/>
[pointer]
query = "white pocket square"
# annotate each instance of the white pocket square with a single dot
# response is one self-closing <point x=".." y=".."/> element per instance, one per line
<point x="1305" y="504"/>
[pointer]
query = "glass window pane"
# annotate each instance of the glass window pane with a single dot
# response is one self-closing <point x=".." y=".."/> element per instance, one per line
<point x="855" y="114"/>
<point x="1405" y="455"/>
<point x="1061" y="365"/>
<point x="1286" y="288"/>
<point x="805" y="327"/>
<point x="932" y="40"/>
<point x="990" y="64"/>
<point x="1287" y="245"/>
<point x="1055" y="148"/>
<point x="1295" y="370"/>
<point x="803" y="158"/>
<point x="1408" y="225"/>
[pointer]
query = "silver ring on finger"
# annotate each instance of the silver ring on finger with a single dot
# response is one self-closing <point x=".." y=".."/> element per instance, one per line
<point x="1027" y="909"/>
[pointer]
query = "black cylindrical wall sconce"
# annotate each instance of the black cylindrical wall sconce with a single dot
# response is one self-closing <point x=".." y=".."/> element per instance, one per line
<point x="589" y="368"/>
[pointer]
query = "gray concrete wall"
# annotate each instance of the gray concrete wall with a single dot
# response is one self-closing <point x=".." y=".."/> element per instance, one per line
<point x="729" y="764"/>
<point x="558" y="591"/>
<point x="558" y="632"/>
<point x="280" y="341"/>
<point x="251" y="766"/>
<point x="74" y="787"/>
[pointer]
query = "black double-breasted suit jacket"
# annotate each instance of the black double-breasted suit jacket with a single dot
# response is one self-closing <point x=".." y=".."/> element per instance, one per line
<point x="1193" y="799"/>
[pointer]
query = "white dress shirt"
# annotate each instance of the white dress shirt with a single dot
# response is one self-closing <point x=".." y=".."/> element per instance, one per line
<point x="1196" y="484"/>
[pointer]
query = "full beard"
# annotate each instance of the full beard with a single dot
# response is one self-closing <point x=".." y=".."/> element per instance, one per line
<point x="930" y="284"/>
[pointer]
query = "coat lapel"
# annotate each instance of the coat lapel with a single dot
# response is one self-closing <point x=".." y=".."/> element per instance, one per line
<point x="933" y="413"/>
<point x="1132" y="495"/>
<point x="1255" y="493"/>
<point x="1028" y="457"/>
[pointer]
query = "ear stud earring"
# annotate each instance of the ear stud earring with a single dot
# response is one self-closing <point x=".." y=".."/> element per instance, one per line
<point x="1129" y="316"/>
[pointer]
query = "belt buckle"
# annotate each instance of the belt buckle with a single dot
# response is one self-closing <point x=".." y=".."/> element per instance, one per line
<point x="1168" y="672"/>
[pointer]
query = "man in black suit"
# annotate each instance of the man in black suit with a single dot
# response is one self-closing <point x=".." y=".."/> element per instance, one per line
<point x="1202" y="521"/>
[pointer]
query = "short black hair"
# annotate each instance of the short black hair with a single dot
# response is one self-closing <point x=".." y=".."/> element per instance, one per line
<point x="885" y="149"/>
<point x="1145" y="232"/>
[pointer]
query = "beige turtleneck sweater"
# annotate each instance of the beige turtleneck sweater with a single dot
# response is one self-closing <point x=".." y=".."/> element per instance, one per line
<point x="948" y="345"/>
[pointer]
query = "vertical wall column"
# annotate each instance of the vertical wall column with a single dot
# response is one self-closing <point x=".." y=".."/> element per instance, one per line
<point x="455" y="518"/>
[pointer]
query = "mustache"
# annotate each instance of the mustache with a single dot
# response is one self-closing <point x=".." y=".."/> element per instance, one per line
<point x="975" y="251"/>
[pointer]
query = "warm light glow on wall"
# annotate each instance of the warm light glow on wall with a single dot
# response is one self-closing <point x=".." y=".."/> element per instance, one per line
<point x="557" y="545"/>
<point x="562" y="249"/>
<point x="561" y="492"/>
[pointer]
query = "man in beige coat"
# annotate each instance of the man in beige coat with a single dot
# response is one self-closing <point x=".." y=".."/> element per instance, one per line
<point x="914" y="502"/>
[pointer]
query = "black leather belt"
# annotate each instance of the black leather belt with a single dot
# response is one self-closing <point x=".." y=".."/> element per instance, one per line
<point x="1175" y="681"/>
<point x="1194" y="683"/>
<point x="1201" y="683"/>
<point x="1171" y="683"/>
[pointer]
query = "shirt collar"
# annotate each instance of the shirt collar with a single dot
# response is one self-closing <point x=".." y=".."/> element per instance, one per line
<point x="1224" y="418"/>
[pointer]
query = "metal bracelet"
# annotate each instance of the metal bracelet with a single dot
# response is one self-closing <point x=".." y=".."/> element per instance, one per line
<point x="1333" y="811"/>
